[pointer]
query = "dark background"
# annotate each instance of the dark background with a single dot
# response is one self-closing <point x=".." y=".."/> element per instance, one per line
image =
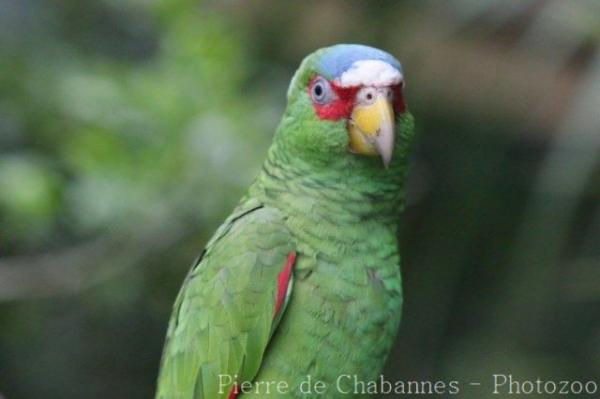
<point x="129" y="129"/>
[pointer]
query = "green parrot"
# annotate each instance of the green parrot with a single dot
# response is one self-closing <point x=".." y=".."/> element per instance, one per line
<point x="301" y="286"/>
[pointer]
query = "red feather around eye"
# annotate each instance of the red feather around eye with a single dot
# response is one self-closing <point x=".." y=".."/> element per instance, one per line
<point x="341" y="106"/>
<point x="399" y="104"/>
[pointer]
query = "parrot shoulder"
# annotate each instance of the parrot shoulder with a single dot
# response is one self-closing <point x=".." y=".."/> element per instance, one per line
<point x="229" y="305"/>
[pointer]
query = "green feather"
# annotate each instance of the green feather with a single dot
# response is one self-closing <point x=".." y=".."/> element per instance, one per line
<point x="222" y="318"/>
<point x="340" y="212"/>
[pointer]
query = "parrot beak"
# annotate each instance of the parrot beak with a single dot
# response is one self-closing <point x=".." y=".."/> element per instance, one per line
<point x="371" y="124"/>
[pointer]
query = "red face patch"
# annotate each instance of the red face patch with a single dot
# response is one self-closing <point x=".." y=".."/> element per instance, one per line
<point x="343" y="99"/>
<point x="341" y="104"/>
<point x="399" y="104"/>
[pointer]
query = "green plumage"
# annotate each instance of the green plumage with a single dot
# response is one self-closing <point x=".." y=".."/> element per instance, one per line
<point x="339" y="212"/>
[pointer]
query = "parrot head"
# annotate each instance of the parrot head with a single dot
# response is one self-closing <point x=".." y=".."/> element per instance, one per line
<point x="345" y="102"/>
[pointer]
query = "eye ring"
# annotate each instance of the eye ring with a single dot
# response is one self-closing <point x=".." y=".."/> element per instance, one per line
<point x="367" y="95"/>
<point x="321" y="91"/>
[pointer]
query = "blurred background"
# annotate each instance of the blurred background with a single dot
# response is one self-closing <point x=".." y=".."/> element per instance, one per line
<point x="129" y="129"/>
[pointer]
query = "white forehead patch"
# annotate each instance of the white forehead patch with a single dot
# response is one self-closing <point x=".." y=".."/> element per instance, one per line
<point x="369" y="73"/>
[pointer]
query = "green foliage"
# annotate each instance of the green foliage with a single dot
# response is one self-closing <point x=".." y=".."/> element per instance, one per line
<point x="115" y="134"/>
<point x="29" y="197"/>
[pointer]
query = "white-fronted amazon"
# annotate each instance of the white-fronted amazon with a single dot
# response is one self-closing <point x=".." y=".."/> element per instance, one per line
<point x="303" y="278"/>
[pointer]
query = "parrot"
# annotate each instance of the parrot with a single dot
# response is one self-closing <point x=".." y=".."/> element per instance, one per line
<point x="301" y="284"/>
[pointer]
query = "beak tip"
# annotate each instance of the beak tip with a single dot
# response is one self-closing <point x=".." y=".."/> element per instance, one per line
<point x="385" y="147"/>
<point x="386" y="162"/>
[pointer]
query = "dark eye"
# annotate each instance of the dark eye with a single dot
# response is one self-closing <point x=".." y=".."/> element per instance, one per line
<point x="321" y="91"/>
<point x="318" y="89"/>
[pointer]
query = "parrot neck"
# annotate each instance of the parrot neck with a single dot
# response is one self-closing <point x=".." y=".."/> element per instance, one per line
<point x="339" y="191"/>
<point x="332" y="184"/>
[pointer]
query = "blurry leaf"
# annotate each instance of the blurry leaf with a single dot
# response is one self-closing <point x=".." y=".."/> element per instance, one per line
<point x="29" y="196"/>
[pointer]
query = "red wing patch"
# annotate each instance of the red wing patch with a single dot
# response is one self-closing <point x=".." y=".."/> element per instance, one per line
<point x="283" y="283"/>
<point x="234" y="392"/>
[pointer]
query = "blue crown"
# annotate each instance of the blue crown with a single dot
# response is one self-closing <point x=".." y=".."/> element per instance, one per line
<point x="339" y="58"/>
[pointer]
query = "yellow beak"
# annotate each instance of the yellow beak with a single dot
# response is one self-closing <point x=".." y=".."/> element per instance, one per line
<point x="371" y="128"/>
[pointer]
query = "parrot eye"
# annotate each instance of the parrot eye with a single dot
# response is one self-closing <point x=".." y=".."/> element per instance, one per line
<point x="321" y="91"/>
<point x="367" y="95"/>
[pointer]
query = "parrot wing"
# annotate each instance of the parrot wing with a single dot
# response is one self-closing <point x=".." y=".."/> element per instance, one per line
<point x="228" y="306"/>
